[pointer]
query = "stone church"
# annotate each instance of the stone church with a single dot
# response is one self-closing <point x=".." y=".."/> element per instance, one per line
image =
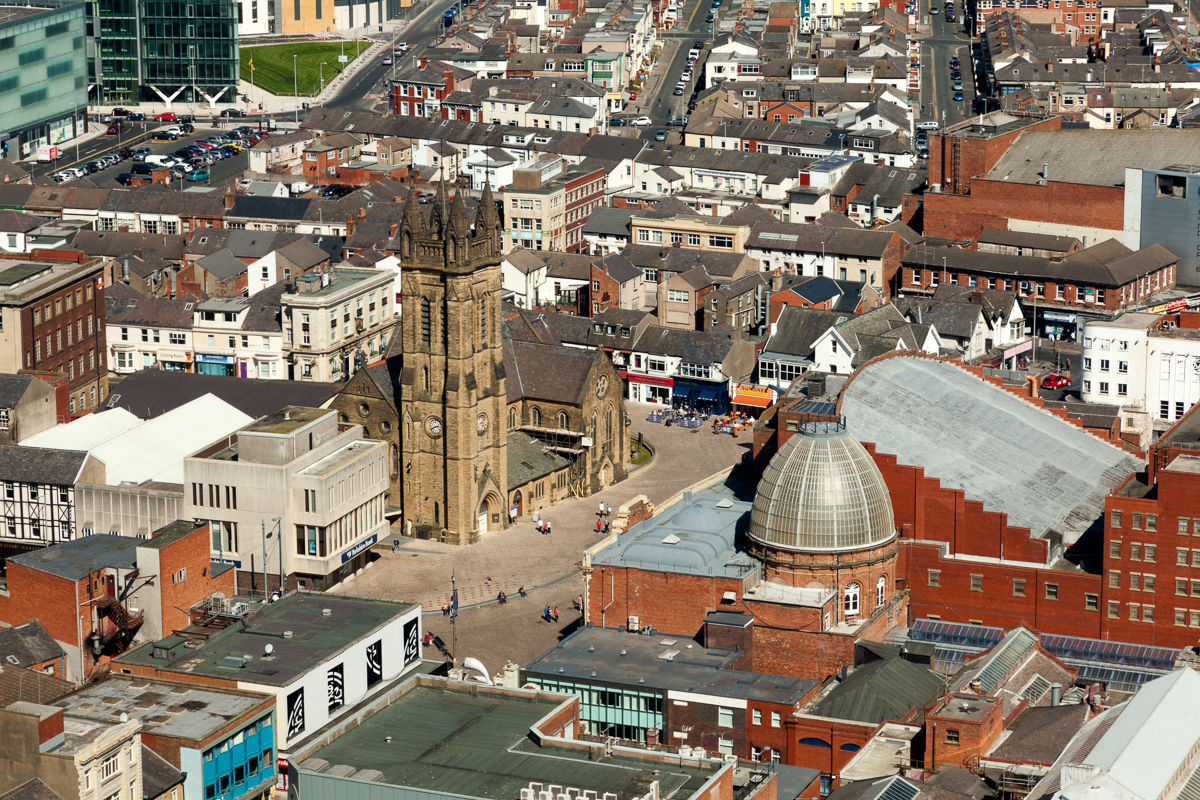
<point x="443" y="398"/>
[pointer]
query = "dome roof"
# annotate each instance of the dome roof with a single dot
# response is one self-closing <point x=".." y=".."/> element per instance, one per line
<point x="822" y="492"/>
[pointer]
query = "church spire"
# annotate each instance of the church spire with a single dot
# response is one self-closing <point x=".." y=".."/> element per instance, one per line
<point x="414" y="220"/>
<point x="440" y="216"/>
<point x="486" y="218"/>
<point x="457" y="221"/>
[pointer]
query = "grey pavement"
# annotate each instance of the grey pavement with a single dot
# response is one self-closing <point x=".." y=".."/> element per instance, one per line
<point x="546" y="565"/>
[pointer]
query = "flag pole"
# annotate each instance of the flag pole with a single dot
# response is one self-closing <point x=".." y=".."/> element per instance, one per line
<point x="453" y="620"/>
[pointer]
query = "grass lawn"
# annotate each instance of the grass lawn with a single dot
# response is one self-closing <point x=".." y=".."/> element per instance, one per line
<point x="273" y="64"/>
<point x="639" y="453"/>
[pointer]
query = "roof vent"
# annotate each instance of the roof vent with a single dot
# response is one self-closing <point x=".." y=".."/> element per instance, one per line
<point x="326" y="612"/>
<point x="622" y="652"/>
<point x="287" y="634"/>
<point x="591" y="649"/>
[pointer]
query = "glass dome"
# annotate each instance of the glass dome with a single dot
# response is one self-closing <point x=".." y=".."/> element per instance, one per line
<point x="822" y="492"/>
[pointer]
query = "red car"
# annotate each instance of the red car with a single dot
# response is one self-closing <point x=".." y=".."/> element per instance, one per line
<point x="1055" y="381"/>
<point x="166" y="116"/>
<point x="633" y="95"/>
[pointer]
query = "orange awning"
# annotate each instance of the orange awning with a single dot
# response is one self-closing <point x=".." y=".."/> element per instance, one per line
<point x="756" y="396"/>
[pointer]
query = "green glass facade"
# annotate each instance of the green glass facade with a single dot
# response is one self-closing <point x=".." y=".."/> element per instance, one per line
<point x="609" y="710"/>
<point x="43" y="75"/>
<point x="152" y="51"/>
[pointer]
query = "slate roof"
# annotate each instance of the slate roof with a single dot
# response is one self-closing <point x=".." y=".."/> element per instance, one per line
<point x="28" y="644"/>
<point x="18" y="221"/>
<point x="528" y="459"/>
<point x="223" y="265"/>
<point x="123" y="243"/>
<point x="553" y="373"/>
<point x="32" y="789"/>
<point x="694" y="347"/>
<point x="619" y="268"/>
<point x="292" y="209"/>
<point x="148" y="393"/>
<point x="13" y="388"/>
<point x="951" y="318"/>
<point x="1041" y="733"/>
<point x="1041" y="241"/>
<point x="802" y="238"/>
<point x="1108" y="263"/>
<point x="149" y="312"/>
<point x="798" y="328"/>
<point x="266" y="308"/>
<point x="158" y="776"/>
<point x="605" y="221"/>
<point x="880" y="690"/>
<point x="718" y="265"/>
<point x="74" y="559"/>
<point x="31" y="686"/>
<point x="40" y="465"/>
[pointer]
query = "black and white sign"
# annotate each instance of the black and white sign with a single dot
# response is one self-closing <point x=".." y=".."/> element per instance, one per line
<point x="412" y="646"/>
<point x="336" y="685"/>
<point x="295" y="713"/>
<point x="374" y="663"/>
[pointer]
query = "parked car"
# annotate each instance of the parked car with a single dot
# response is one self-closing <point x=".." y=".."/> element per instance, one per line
<point x="660" y="135"/>
<point x="166" y="116"/>
<point x="616" y="122"/>
<point x="642" y="122"/>
<point x="198" y="175"/>
<point x="120" y="112"/>
<point x="232" y="112"/>
<point x="958" y="95"/>
<point x="425" y="197"/>
<point x="632" y="96"/>
<point x="678" y="90"/>
<point x="187" y="127"/>
<point x="163" y="136"/>
<point x="1055" y="381"/>
<point x="928" y="125"/>
<point x="128" y="178"/>
<point x="136" y="116"/>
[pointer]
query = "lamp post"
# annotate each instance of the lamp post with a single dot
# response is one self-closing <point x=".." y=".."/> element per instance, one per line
<point x="296" y="87"/>
<point x="321" y="75"/>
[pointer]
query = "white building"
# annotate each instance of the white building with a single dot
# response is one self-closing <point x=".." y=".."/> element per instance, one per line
<point x="149" y="333"/>
<point x="239" y="336"/>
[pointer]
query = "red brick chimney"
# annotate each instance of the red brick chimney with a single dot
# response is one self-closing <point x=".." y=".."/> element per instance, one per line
<point x="228" y="198"/>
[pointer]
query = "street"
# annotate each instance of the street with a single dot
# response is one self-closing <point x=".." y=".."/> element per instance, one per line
<point x="656" y="99"/>
<point x="937" y="91"/>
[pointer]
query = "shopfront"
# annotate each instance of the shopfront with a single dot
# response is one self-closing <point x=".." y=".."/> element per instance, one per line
<point x="752" y="398"/>
<point x="703" y="395"/>
<point x="207" y="364"/>
<point x="648" y="388"/>
<point x="1058" y="326"/>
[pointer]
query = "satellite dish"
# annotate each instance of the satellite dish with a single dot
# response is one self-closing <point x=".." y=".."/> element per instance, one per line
<point x="268" y="648"/>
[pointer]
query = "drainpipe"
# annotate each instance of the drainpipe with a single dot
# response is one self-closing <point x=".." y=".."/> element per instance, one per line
<point x="612" y="594"/>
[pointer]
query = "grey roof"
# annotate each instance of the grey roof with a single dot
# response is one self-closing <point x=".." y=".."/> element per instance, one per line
<point x="548" y="372"/>
<point x="798" y="328"/>
<point x="74" y="559"/>
<point x="315" y="638"/>
<point x="158" y="775"/>
<point x="954" y="319"/>
<point x="1043" y="472"/>
<point x="223" y="265"/>
<point x="609" y="656"/>
<point x="618" y="268"/>
<point x="605" y="221"/>
<point x="1041" y="733"/>
<point x="40" y="465"/>
<point x="694" y="536"/>
<point x="1109" y="153"/>
<point x="878" y="691"/>
<point x="32" y="789"/>
<point x="818" y="289"/>
<point x="146" y="311"/>
<point x="28" y="644"/>
<point x="1040" y="241"/>
<point x="1108" y="263"/>
<point x="13" y="388"/>
<point x="165" y="708"/>
<point x="150" y="392"/>
<point x="123" y="243"/>
<point x="528" y="460"/>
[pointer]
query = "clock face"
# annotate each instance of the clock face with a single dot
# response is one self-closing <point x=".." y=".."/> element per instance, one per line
<point x="602" y="386"/>
<point x="434" y="426"/>
<point x="481" y="422"/>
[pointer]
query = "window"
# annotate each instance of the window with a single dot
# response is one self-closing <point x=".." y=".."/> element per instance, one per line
<point x="851" y="599"/>
<point x="776" y="719"/>
<point x="1181" y="587"/>
<point x="934" y="577"/>
<point x="1147" y="613"/>
<point x="693" y="239"/>
<point x="108" y="767"/>
<point x="1182" y="522"/>
<point x="951" y="736"/>
<point x="1115" y="520"/>
<point x="1135" y="551"/>
<point x="1148" y="582"/>
<point x="1051" y="591"/>
<point x="1135" y="581"/>
<point x="1137" y="520"/>
<point x="1114" y="609"/>
<point x="721" y="242"/>
<point x="1091" y="602"/>
<point x="725" y="717"/>
<point x="976" y="583"/>
<point x="1114" y="579"/>
<point x="1150" y="549"/>
<point x="1151" y="525"/>
<point x="1018" y="587"/>
<point x="678" y="295"/>
<point x="756" y="716"/>
<point x="1133" y="612"/>
<point x="881" y="591"/>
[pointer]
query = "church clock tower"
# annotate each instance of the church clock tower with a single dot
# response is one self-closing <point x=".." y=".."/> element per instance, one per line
<point x="453" y="434"/>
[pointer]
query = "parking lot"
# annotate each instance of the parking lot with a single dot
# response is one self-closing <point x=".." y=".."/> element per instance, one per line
<point x="206" y="166"/>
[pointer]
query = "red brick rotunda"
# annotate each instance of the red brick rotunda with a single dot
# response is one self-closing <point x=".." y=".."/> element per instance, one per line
<point x="822" y="518"/>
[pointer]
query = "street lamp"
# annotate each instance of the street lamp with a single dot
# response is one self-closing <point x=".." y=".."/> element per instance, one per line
<point x="296" y="88"/>
<point x="321" y="75"/>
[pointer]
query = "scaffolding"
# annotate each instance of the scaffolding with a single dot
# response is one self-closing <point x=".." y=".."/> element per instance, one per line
<point x="569" y="444"/>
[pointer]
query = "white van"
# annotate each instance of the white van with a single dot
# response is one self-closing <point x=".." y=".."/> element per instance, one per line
<point x="158" y="161"/>
<point x="300" y="187"/>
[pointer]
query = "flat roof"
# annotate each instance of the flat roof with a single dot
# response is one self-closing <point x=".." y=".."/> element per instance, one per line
<point x="313" y="638"/>
<point x="670" y="663"/>
<point x="165" y="708"/>
<point x="340" y="280"/>
<point x="74" y="559"/>
<point x="288" y="419"/>
<point x="474" y="741"/>
<point x="694" y="535"/>
<point x="13" y="13"/>
<point x="339" y="458"/>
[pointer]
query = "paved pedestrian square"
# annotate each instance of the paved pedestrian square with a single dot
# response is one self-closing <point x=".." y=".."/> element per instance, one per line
<point x="546" y="565"/>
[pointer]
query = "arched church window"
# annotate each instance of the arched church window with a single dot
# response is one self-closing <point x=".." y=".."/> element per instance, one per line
<point x="564" y="421"/>
<point x="881" y="591"/>
<point x="426" y="321"/>
<point x="512" y="418"/>
<point x="535" y="417"/>
<point x="483" y="319"/>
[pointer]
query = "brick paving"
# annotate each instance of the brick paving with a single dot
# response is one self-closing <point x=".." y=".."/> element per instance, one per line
<point x="547" y="566"/>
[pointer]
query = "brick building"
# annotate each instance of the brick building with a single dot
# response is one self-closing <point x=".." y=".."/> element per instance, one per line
<point x="816" y="574"/>
<point x="52" y="315"/>
<point x="95" y="593"/>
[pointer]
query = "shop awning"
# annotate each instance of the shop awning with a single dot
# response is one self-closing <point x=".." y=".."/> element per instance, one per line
<point x="746" y="394"/>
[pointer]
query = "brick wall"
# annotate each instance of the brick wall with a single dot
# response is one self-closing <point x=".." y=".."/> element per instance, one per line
<point x="825" y="744"/>
<point x="991" y="203"/>
<point x="33" y="594"/>
<point x="186" y="577"/>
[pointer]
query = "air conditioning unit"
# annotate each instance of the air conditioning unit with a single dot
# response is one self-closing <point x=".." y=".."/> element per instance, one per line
<point x="634" y="625"/>
<point x="699" y="753"/>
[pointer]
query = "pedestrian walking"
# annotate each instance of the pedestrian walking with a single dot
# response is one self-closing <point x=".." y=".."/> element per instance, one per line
<point x="489" y="581"/>
<point x="445" y="609"/>
<point x="600" y="510"/>
<point x="546" y="613"/>
<point x="599" y="526"/>
<point x="579" y="602"/>
<point x="607" y="510"/>
<point x="547" y="527"/>
<point x="395" y="545"/>
<point x="555" y="612"/>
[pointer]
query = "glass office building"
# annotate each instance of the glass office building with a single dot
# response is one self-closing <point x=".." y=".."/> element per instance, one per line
<point x="43" y="75"/>
<point x="155" y="51"/>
